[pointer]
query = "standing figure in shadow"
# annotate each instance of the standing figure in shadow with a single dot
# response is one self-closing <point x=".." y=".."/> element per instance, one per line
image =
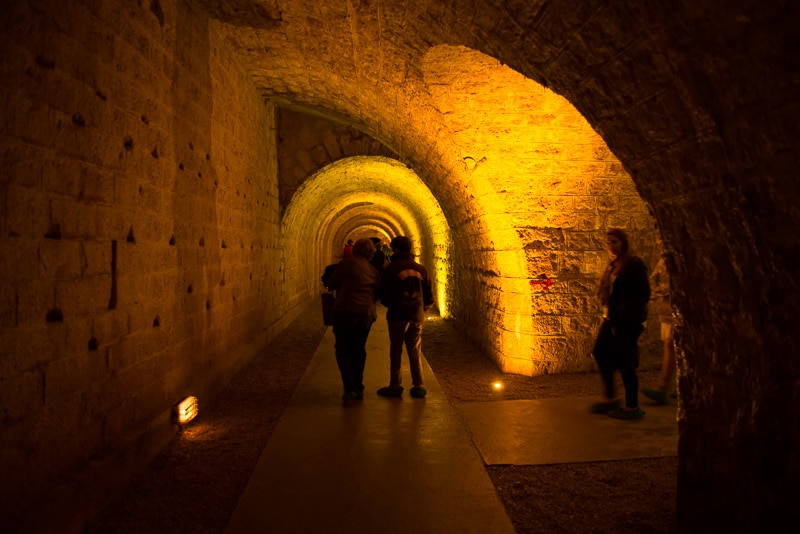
<point x="355" y="282"/>
<point x="624" y="292"/>
<point x="379" y="260"/>
<point x="659" y="282"/>
<point x="406" y="292"/>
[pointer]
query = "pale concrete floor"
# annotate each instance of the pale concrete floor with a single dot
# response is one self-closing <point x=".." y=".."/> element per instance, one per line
<point x="403" y="464"/>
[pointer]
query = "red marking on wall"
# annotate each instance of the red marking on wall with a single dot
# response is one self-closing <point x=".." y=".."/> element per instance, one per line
<point x="543" y="281"/>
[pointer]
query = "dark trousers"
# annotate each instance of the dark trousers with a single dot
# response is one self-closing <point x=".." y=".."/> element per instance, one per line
<point x="410" y="335"/>
<point x="617" y="347"/>
<point x="351" y="331"/>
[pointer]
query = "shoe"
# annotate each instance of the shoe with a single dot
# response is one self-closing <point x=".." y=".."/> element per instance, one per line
<point x="353" y="396"/>
<point x="621" y="413"/>
<point x="604" y="407"/>
<point x="418" y="392"/>
<point x="660" y="397"/>
<point x="391" y="391"/>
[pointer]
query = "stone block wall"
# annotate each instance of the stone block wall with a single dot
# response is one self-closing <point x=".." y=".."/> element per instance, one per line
<point x="307" y="143"/>
<point x="139" y="241"/>
<point x="528" y="189"/>
<point x="531" y="193"/>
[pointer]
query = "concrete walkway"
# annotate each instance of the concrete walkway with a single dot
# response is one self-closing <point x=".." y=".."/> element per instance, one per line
<point x="394" y="465"/>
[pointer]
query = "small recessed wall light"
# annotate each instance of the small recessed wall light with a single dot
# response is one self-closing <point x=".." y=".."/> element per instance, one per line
<point x="185" y="410"/>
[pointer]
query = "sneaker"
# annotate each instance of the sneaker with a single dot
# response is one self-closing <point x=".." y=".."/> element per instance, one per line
<point x="621" y="413"/>
<point x="604" y="407"/>
<point x="391" y="391"/>
<point x="660" y="397"/>
<point x="353" y="396"/>
<point x="418" y="392"/>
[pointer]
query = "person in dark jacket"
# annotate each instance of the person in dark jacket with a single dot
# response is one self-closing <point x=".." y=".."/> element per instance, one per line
<point x="405" y="290"/>
<point x="356" y="283"/>
<point x="379" y="258"/>
<point x="624" y="292"/>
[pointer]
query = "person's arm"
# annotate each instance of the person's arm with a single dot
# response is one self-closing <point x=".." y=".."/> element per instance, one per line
<point x="335" y="279"/>
<point x="642" y="283"/>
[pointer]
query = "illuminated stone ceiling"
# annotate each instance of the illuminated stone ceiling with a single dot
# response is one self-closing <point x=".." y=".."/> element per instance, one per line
<point x="508" y="167"/>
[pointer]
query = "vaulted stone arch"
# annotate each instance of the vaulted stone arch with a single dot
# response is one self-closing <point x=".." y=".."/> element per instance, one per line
<point x="528" y="187"/>
<point x="141" y="178"/>
<point x="700" y="115"/>
<point x="350" y="197"/>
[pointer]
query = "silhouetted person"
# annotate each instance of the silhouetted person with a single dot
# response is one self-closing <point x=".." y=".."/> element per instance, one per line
<point x="624" y="292"/>
<point x="659" y="283"/>
<point x="379" y="259"/>
<point x="405" y="290"/>
<point x="355" y="282"/>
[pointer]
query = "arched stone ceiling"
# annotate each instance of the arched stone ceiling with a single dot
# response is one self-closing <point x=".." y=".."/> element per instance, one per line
<point x="380" y="220"/>
<point x="361" y="196"/>
<point x="384" y="218"/>
<point x="699" y="102"/>
<point x="353" y="72"/>
<point x="499" y="152"/>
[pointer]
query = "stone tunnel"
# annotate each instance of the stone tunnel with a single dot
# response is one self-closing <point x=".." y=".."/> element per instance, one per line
<point x="176" y="174"/>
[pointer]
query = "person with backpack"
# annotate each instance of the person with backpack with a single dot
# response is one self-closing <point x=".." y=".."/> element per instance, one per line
<point x="405" y="290"/>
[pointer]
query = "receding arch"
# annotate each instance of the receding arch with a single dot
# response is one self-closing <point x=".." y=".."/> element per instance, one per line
<point x="527" y="187"/>
<point x="360" y="194"/>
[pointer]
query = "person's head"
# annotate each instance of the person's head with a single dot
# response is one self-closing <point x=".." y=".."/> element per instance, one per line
<point x="364" y="248"/>
<point x="617" y="242"/>
<point x="376" y="241"/>
<point x="401" y="244"/>
<point x="349" y="242"/>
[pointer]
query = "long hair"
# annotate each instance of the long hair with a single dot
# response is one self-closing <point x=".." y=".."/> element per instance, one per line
<point x="620" y="234"/>
<point x="616" y="265"/>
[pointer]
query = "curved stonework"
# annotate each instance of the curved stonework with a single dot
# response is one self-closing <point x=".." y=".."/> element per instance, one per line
<point x="357" y="197"/>
<point x="532" y="186"/>
<point x="157" y="158"/>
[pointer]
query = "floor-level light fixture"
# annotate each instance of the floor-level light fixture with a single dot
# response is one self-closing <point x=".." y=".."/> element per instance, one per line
<point x="185" y="410"/>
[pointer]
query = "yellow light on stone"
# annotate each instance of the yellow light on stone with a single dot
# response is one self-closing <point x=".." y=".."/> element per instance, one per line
<point x="497" y="386"/>
<point x="186" y="410"/>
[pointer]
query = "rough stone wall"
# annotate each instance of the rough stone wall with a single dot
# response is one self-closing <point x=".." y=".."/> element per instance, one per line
<point x="551" y="188"/>
<point x="700" y="103"/>
<point x="307" y="143"/>
<point x="138" y="236"/>
<point x="532" y="192"/>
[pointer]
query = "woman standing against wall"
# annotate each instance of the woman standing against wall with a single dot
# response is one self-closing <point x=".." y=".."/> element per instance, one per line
<point x="624" y="293"/>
